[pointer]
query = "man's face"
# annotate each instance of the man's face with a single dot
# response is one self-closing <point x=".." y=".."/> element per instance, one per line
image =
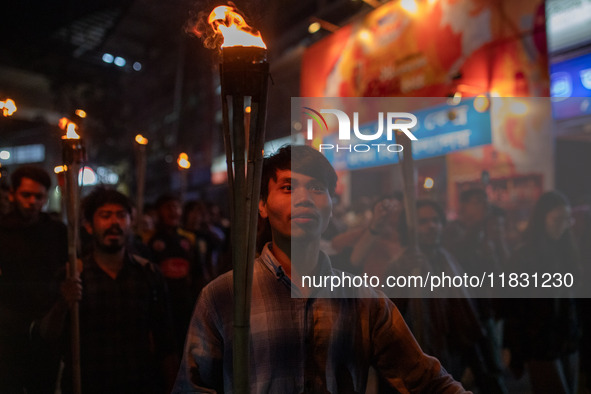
<point x="474" y="211"/>
<point x="29" y="198"/>
<point x="169" y="213"/>
<point x="429" y="226"/>
<point x="110" y="227"/>
<point x="558" y="221"/>
<point x="298" y="206"/>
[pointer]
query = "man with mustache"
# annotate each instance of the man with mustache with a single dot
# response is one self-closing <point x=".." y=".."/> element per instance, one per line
<point x="301" y="339"/>
<point x="126" y="339"/>
<point x="33" y="247"/>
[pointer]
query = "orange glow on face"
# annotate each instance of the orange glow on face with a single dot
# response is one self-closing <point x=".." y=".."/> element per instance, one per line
<point x="231" y="25"/>
<point x="141" y="140"/>
<point x="70" y="127"/>
<point x="183" y="161"/>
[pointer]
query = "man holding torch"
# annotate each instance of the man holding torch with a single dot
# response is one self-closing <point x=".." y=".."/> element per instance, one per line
<point x="33" y="247"/>
<point x="303" y="343"/>
<point x="127" y="344"/>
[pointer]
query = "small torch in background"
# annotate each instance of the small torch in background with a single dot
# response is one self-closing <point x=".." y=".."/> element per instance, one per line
<point x="184" y="165"/>
<point x="141" y="145"/>
<point x="8" y="107"/>
<point x="73" y="154"/>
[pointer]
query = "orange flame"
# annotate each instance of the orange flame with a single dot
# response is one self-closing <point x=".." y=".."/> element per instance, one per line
<point x="225" y="20"/>
<point x="141" y="140"/>
<point x="8" y="107"/>
<point x="60" y="169"/>
<point x="183" y="161"/>
<point x="70" y="127"/>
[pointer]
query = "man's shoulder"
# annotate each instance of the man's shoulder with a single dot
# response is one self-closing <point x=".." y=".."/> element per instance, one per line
<point x="223" y="284"/>
<point x="144" y="263"/>
<point x="49" y="225"/>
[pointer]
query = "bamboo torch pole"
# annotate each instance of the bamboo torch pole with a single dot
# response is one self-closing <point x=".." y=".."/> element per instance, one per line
<point x="410" y="207"/>
<point x="409" y="188"/>
<point x="244" y="73"/>
<point x="73" y="156"/>
<point x="141" y="146"/>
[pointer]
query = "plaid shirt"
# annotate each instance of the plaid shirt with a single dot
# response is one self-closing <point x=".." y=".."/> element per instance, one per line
<point x="312" y="345"/>
<point x="125" y="329"/>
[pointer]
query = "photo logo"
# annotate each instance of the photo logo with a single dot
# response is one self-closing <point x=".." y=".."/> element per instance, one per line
<point x="392" y="123"/>
<point x="318" y="118"/>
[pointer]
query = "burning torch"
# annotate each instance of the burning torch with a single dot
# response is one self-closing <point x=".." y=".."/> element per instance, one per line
<point x="73" y="154"/>
<point x="8" y="107"/>
<point x="244" y="74"/>
<point x="184" y="165"/>
<point x="141" y="145"/>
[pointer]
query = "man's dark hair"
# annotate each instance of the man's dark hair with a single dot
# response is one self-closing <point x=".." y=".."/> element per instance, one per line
<point x="403" y="227"/>
<point x="302" y="159"/>
<point x="34" y="173"/>
<point x="101" y="196"/>
<point x="436" y="207"/>
<point x="474" y="193"/>
<point x="397" y="195"/>
<point x="166" y="197"/>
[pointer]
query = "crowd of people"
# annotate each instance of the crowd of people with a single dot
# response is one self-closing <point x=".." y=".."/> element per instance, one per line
<point x="485" y="340"/>
<point x="154" y="293"/>
<point x="135" y="290"/>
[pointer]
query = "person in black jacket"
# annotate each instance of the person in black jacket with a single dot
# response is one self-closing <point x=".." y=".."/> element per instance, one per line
<point x="126" y="338"/>
<point x="33" y="248"/>
<point x="542" y="334"/>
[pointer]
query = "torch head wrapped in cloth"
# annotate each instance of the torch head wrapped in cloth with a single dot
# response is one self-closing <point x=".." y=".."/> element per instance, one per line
<point x="244" y="54"/>
<point x="72" y="145"/>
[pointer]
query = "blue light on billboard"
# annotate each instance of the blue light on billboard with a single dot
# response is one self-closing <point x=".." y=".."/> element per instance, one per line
<point x="570" y="87"/>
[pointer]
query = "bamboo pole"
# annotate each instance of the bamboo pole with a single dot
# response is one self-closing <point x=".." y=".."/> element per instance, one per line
<point x="73" y="154"/>
<point x="410" y="206"/>
<point x="244" y="73"/>
<point x="409" y="189"/>
<point x="141" y="184"/>
<point x="239" y="241"/>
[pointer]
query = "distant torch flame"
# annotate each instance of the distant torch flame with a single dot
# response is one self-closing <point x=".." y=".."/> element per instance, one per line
<point x="60" y="169"/>
<point x="141" y="140"/>
<point x="231" y="25"/>
<point x="80" y="113"/>
<point x="70" y="127"/>
<point x="183" y="161"/>
<point x="8" y="107"/>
